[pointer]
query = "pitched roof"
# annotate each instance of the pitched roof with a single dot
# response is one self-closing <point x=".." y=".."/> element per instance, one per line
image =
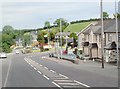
<point x="85" y="44"/>
<point x="111" y="46"/>
<point x="113" y="28"/>
<point x="63" y="34"/>
<point x="93" y="45"/>
<point x="109" y="26"/>
<point x="106" y="25"/>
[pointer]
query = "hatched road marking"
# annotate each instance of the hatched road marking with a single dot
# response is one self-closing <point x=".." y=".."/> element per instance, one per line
<point x="59" y="81"/>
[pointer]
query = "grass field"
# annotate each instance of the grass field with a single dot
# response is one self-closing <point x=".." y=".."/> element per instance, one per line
<point x="77" y="27"/>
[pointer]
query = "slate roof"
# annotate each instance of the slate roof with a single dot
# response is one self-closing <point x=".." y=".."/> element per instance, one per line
<point x="69" y="40"/>
<point x="112" y="28"/>
<point x="111" y="46"/>
<point x="109" y="26"/>
<point x="85" y="43"/>
<point x="93" y="45"/>
<point x="63" y="34"/>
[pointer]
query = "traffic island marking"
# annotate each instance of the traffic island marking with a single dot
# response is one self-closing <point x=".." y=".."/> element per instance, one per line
<point x="58" y="80"/>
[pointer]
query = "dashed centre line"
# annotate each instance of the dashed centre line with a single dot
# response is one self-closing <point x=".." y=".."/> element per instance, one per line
<point x="57" y="81"/>
<point x="45" y="77"/>
<point x="46" y="68"/>
<point x="39" y="72"/>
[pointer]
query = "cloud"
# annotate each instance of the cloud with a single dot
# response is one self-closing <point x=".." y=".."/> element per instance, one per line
<point x="34" y="14"/>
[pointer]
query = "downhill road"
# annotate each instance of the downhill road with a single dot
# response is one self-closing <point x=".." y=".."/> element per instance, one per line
<point x="33" y="70"/>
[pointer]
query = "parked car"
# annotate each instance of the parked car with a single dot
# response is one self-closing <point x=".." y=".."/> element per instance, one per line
<point x="17" y="52"/>
<point x="3" y="55"/>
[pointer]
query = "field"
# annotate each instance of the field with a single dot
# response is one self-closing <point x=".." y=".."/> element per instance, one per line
<point x="77" y="27"/>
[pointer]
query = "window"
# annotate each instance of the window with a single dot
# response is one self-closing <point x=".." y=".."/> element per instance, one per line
<point x="109" y="37"/>
<point x="99" y="38"/>
<point x="96" y="38"/>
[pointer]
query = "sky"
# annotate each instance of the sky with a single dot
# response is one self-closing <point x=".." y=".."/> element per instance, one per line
<point x="32" y="14"/>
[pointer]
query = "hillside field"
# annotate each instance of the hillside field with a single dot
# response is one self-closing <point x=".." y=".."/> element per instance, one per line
<point x="77" y="27"/>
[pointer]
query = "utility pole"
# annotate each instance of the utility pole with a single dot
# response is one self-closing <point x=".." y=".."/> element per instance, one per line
<point x="102" y="34"/>
<point x="116" y="26"/>
<point x="48" y="38"/>
<point x="61" y="37"/>
<point x="118" y="21"/>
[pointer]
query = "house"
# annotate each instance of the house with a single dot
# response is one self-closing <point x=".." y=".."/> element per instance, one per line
<point x="110" y="42"/>
<point x="65" y="35"/>
<point x="92" y="35"/>
<point x="35" y="43"/>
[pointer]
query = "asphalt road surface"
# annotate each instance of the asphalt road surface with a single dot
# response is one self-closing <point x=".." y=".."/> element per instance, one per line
<point x="32" y="70"/>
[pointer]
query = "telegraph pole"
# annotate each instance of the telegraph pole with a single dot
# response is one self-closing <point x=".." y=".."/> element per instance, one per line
<point x="102" y="34"/>
<point x="116" y="26"/>
<point x="61" y="37"/>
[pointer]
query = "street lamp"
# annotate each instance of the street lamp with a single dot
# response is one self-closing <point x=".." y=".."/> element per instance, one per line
<point x="102" y="34"/>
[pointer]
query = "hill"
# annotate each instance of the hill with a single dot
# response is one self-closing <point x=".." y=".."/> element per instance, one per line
<point x="77" y="27"/>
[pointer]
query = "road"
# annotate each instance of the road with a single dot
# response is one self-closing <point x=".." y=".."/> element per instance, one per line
<point x="31" y="70"/>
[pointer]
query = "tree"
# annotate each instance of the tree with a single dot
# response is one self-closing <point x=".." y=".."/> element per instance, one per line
<point x="47" y="24"/>
<point x="8" y="39"/>
<point x="75" y="38"/>
<point x="7" y="42"/>
<point x="52" y="35"/>
<point x="118" y="15"/>
<point x="105" y="15"/>
<point x="41" y="39"/>
<point x="9" y="30"/>
<point x="63" y="23"/>
<point x="27" y="38"/>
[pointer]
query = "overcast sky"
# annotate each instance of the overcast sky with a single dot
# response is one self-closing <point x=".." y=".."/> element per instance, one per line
<point x="34" y="14"/>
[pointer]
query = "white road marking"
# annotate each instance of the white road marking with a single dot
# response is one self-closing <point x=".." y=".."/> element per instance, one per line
<point x="46" y="68"/>
<point x="52" y="71"/>
<point x="56" y="84"/>
<point x="39" y="72"/>
<point x="81" y="83"/>
<point x="71" y="84"/>
<point x="34" y="61"/>
<point x="63" y="80"/>
<point x="46" y="77"/>
<point x="31" y="65"/>
<point x="7" y="74"/>
<point x="35" y="68"/>
<point x="41" y="65"/>
<point x="63" y="75"/>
